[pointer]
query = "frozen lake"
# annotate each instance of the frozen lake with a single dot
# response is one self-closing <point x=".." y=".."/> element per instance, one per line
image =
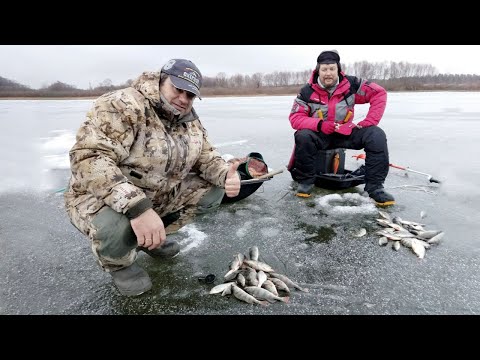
<point x="48" y="267"/>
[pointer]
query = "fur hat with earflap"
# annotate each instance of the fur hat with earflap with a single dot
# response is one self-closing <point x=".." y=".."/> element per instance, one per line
<point x="329" y="57"/>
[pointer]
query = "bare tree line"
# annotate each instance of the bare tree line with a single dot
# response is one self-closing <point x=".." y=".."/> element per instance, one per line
<point x="402" y="76"/>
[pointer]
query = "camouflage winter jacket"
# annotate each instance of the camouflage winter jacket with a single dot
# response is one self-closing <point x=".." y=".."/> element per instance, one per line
<point x="133" y="146"/>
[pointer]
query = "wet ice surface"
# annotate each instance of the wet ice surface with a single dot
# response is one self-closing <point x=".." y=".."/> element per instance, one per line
<point x="47" y="266"/>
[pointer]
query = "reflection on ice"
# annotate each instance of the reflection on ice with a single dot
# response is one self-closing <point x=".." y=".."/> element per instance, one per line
<point x="55" y="149"/>
<point x="61" y="140"/>
<point x="55" y="160"/>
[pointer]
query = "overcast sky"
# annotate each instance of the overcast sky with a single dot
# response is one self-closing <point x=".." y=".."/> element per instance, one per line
<point x="82" y="65"/>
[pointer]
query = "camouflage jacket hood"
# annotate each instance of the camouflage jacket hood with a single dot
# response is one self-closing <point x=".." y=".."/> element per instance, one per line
<point x="134" y="145"/>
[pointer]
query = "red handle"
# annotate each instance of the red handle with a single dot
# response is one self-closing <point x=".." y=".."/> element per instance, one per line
<point x="360" y="156"/>
<point x="363" y="156"/>
<point x="398" y="167"/>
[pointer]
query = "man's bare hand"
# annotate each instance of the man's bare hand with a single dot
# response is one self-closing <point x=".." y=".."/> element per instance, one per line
<point x="149" y="230"/>
<point x="232" y="182"/>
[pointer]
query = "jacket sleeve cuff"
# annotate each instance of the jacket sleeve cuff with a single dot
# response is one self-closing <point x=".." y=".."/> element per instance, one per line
<point x="319" y="126"/>
<point x="139" y="208"/>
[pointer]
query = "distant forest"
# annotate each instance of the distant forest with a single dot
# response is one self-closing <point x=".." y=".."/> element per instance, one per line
<point x="402" y="76"/>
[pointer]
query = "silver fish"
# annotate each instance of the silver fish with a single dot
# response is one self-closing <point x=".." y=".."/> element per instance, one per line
<point x="418" y="248"/>
<point x="385" y="231"/>
<point x="389" y="224"/>
<point x="261" y="277"/>
<point x="361" y="232"/>
<point x="270" y="286"/>
<point x="237" y="261"/>
<point x="287" y="281"/>
<point x="234" y="266"/>
<point x="404" y="234"/>
<point x="227" y="291"/>
<point x="384" y="215"/>
<point x="250" y="276"/>
<point x="241" y="280"/>
<point x="254" y="253"/>
<point x="383" y="241"/>
<point x="244" y="296"/>
<point x="388" y="235"/>
<point x="414" y="227"/>
<point x="220" y="288"/>
<point x="425" y="235"/>
<point x="436" y="238"/>
<point x="396" y="245"/>
<point x="264" y="294"/>
<point x="425" y="244"/>
<point x="397" y="227"/>
<point x="383" y="222"/>
<point x="411" y="223"/>
<point x="397" y="220"/>
<point x="231" y="274"/>
<point x="279" y="284"/>
<point x="258" y="265"/>
<point x="407" y="242"/>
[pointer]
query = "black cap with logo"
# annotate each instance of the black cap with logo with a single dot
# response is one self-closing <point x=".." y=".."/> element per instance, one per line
<point x="184" y="75"/>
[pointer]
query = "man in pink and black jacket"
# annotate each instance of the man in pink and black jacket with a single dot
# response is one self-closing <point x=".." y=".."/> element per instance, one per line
<point x="322" y="115"/>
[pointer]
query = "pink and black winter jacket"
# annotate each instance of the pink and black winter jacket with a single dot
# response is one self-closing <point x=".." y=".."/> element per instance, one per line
<point x="313" y="104"/>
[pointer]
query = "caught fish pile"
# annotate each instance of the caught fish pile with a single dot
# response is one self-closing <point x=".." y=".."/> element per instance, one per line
<point x="254" y="281"/>
<point x="410" y="234"/>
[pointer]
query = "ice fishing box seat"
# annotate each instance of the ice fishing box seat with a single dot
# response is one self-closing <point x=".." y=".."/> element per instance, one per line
<point x="346" y="180"/>
<point x="326" y="164"/>
<point x="331" y="173"/>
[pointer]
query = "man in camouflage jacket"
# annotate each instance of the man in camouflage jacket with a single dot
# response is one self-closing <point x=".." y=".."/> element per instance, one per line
<point x="142" y="167"/>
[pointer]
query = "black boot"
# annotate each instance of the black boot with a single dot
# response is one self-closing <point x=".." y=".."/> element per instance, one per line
<point x="169" y="249"/>
<point x="132" y="280"/>
<point x="359" y="172"/>
<point x="170" y="218"/>
<point x="304" y="190"/>
<point x="381" y="197"/>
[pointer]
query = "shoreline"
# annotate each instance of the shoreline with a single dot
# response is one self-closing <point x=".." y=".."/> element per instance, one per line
<point x="282" y="93"/>
<point x="48" y="98"/>
<point x="95" y="97"/>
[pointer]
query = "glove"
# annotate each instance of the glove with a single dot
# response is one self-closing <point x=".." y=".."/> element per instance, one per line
<point x="364" y="123"/>
<point x="327" y="127"/>
<point x="345" y="129"/>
